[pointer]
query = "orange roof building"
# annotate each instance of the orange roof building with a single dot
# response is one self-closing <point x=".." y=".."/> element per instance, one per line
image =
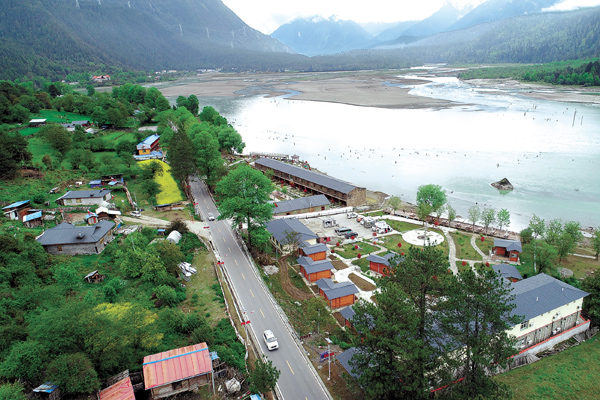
<point x="176" y="371"/>
<point x="122" y="390"/>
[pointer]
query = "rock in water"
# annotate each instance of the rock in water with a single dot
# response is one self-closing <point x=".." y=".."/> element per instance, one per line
<point x="503" y="184"/>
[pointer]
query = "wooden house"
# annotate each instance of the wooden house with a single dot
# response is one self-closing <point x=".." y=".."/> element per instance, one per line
<point x="380" y="264"/>
<point x="314" y="251"/>
<point x="315" y="270"/>
<point x="112" y="180"/>
<point x="337" y="294"/>
<point x="105" y="214"/>
<point x="176" y="371"/>
<point x="507" y="248"/>
<point x="34" y="219"/>
<point x="348" y="314"/>
<point x="309" y="181"/>
<point x="17" y="210"/>
<point x="148" y="145"/>
<point x="94" y="277"/>
<point x="84" y="197"/>
<point x="122" y="390"/>
<point x="508" y="271"/>
<point x="91" y="218"/>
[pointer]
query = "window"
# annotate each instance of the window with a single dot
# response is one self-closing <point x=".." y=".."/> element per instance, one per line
<point x="59" y="247"/>
<point x="78" y="201"/>
<point x="524" y="325"/>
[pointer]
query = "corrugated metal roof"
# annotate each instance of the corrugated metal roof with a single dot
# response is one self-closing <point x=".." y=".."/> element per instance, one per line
<point x="46" y="387"/>
<point x="84" y="194"/>
<point x="347" y="313"/>
<point x="541" y="294"/>
<point x="281" y="228"/>
<point x="311" y="176"/>
<point x="385" y="259"/>
<point x="96" y="182"/>
<point x="301" y="203"/>
<point x="66" y="233"/>
<point x="312" y="267"/>
<point x="507" y="271"/>
<point x="122" y="390"/>
<point x="16" y="204"/>
<point x="510" y="245"/>
<point x="176" y="365"/>
<point x="30" y="217"/>
<point x="336" y="290"/>
<point x="314" y="248"/>
<point x="148" y="141"/>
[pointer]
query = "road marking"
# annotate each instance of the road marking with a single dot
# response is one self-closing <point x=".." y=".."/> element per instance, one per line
<point x="243" y="277"/>
<point x="219" y="230"/>
<point x="235" y="261"/>
<point x="224" y="240"/>
<point x="205" y="201"/>
<point x="290" y="367"/>
<point x="262" y="312"/>
<point x="229" y="250"/>
<point x="251" y="292"/>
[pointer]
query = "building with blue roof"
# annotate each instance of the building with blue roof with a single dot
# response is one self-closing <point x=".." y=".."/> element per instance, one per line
<point x="17" y="209"/>
<point x="148" y="145"/>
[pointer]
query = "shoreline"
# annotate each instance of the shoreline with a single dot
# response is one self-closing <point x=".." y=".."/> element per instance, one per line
<point x="362" y="88"/>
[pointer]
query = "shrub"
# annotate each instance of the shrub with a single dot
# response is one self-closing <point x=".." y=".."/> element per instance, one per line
<point x="74" y="373"/>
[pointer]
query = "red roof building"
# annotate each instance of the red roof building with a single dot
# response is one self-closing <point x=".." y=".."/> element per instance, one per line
<point x="176" y="371"/>
<point x="122" y="390"/>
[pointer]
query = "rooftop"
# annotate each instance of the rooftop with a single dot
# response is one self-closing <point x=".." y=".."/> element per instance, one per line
<point x="16" y="204"/>
<point x="312" y="267"/>
<point x="282" y="228"/>
<point x="301" y="203"/>
<point x="66" y="233"/>
<point x="311" y="176"/>
<point x="176" y="365"/>
<point x="336" y="290"/>
<point x="80" y="194"/>
<point x="507" y="271"/>
<point x="510" y="245"/>
<point x="122" y="390"/>
<point x="385" y="259"/>
<point x="149" y="140"/>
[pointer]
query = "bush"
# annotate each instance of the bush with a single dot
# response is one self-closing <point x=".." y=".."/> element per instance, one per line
<point x="74" y="373"/>
<point x="12" y="392"/>
<point x="166" y="294"/>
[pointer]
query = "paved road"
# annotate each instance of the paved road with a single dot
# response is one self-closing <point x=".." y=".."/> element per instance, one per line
<point x="297" y="380"/>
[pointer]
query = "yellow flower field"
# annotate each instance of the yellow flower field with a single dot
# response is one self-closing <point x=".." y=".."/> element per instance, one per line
<point x="169" y="191"/>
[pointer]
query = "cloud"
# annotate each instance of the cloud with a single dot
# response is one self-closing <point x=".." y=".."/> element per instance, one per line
<point x="570" y="5"/>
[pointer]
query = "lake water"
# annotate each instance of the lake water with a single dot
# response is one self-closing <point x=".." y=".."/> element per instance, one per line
<point x="552" y="160"/>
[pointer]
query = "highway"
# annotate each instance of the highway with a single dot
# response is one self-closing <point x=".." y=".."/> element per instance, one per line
<point x="298" y="379"/>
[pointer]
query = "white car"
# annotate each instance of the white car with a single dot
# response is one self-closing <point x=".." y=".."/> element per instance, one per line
<point x="211" y="217"/>
<point x="136" y="214"/>
<point x="270" y="340"/>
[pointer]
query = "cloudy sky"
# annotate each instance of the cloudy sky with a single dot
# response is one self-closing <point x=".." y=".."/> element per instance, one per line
<point x="268" y="15"/>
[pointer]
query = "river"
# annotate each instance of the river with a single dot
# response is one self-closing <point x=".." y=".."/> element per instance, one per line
<point x="549" y="150"/>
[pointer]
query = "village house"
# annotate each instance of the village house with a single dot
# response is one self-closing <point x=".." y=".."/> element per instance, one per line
<point x="112" y="180"/>
<point x="334" y="189"/>
<point x="176" y="371"/>
<point x="551" y="310"/>
<point x="84" y="197"/>
<point x="100" y="78"/>
<point x="122" y="390"/>
<point x="34" y="219"/>
<point x="315" y="252"/>
<point x="105" y="214"/>
<point x="348" y="314"/>
<point x="301" y="205"/>
<point x="16" y="210"/>
<point x="380" y="264"/>
<point x="337" y="294"/>
<point x="507" y="248"/>
<point x="315" y="270"/>
<point x="148" y="145"/>
<point x="287" y="235"/>
<point x="72" y="125"/>
<point x="508" y="271"/>
<point x="70" y="239"/>
<point x="34" y="123"/>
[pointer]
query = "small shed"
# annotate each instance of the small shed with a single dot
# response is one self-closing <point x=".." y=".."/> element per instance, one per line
<point x="16" y="210"/>
<point x="177" y="371"/>
<point x="91" y="218"/>
<point x="337" y="294"/>
<point x="508" y="271"/>
<point x="164" y="207"/>
<point x="33" y="220"/>
<point x="315" y="251"/>
<point x="37" y="122"/>
<point x="94" y="277"/>
<point x="161" y="231"/>
<point x="96" y="183"/>
<point x="122" y="390"/>
<point x="348" y="314"/>
<point x="507" y="248"/>
<point x="315" y="270"/>
<point x="48" y="391"/>
<point x="174" y="237"/>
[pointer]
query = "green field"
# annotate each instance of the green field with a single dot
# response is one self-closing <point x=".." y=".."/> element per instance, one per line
<point x="571" y="374"/>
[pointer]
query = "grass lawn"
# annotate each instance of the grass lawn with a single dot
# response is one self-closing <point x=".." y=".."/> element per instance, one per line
<point x="115" y="137"/>
<point x="28" y="131"/>
<point x="59" y="117"/>
<point x="485" y="246"/>
<point x="362" y="263"/>
<point x="169" y="190"/>
<point x="402" y="226"/>
<point x="462" y="268"/>
<point x="571" y="374"/>
<point x="361" y="283"/>
<point x="348" y="251"/>
<point x="391" y="243"/>
<point x="581" y="266"/>
<point x="464" y="250"/>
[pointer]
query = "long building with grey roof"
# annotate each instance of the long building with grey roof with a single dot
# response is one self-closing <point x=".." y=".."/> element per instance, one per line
<point x="301" y="204"/>
<point x="70" y="239"/>
<point x="334" y="189"/>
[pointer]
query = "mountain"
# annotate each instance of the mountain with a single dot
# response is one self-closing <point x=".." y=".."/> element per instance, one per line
<point x="437" y="22"/>
<point x="313" y="36"/>
<point x="493" y="10"/>
<point x="51" y="37"/>
<point x="394" y="32"/>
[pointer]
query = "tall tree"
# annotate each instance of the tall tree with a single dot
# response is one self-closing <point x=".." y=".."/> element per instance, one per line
<point x="474" y="215"/>
<point x="433" y="196"/>
<point x="451" y="214"/>
<point x="596" y="241"/>
<point x="243" y="196"/>
<point x="537" y="226"/>
<point x="394" y="203"/>
<point x="210" y="162"/>
<point x="476" y="317"/>
<point x="568" y="239"/>
<point x="503" y="218"/>
<point x="182" y="155"/>
<point x="488" y="216"/>
<point x="264" y="376"/>
<point x="57" y="136"/>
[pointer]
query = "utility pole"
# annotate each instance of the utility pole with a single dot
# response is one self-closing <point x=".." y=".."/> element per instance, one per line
<point x="329" y="361"/>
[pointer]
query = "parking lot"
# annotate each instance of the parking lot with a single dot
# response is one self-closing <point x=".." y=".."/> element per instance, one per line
<point x="316" y="225"/>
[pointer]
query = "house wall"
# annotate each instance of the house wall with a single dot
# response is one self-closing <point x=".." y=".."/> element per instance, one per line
<point x="549" y="343"/>
<point x="500" y="251"/>
<point x="318" y="256"/>
<point x="514" y="256"/>
<point x="341" y="301"/>
<point x="357" y="197"/>
<point x="542" y="327"/>
<point x="318" y="275"/>
<point x="85" y="200"/>
<point x="379" y="268"/>
<point x="185" y="385"/>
